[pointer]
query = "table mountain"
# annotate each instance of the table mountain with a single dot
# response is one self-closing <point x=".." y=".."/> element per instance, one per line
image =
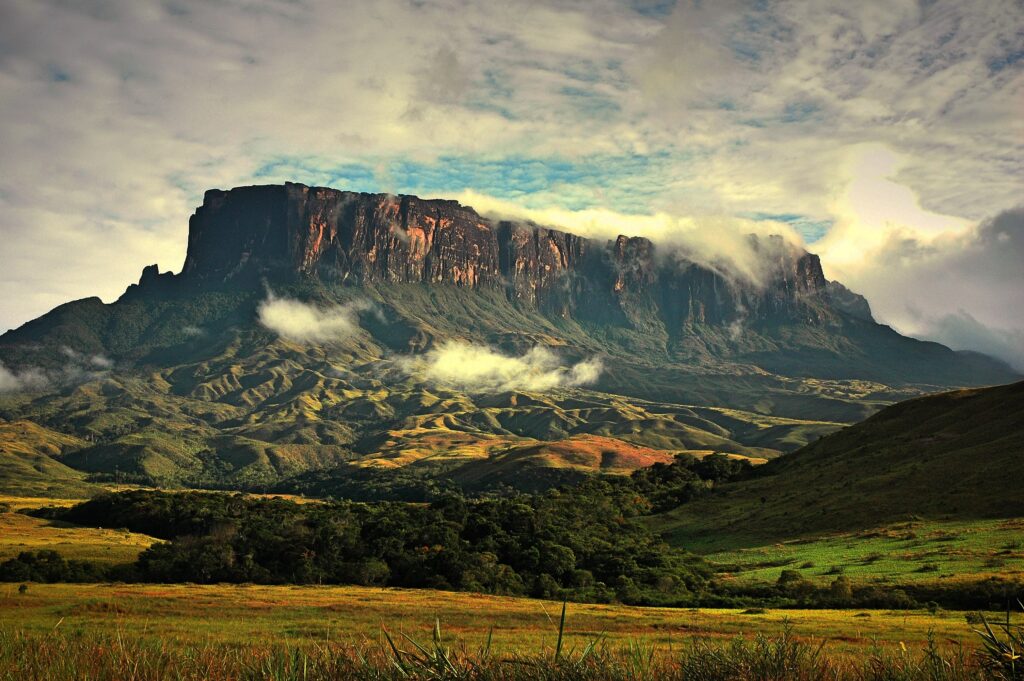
<point x="179" y="382"/>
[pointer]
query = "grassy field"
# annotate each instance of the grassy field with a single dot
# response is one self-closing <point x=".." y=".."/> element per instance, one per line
<point x="899" y="553"/>
<point x="19" y="532"/>
<point x="246" y="614"/>
<point x="107" y="547"/>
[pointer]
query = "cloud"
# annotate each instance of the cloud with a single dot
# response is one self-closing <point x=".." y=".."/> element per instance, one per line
<point x="961" y="331"/>
<point x="718" y="242"/>
<point x="481" y="369"/>
<point x="9" y="382"/>
<point x="79" y="361"/>
<point x="963" y="287"/>
<point x="308" y="323"/>
<point x="874" y="209"/>
<point x="78" y="368"/>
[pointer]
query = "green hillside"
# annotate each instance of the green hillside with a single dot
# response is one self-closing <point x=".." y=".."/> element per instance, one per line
<point x="184" y="387"/>
<point x="951" y="456"/>
<point x="201" y="395"/>
<point x="29" y="462"/>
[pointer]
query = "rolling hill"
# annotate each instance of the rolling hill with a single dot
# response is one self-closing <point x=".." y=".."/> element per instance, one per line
<point x="952" y="456"/>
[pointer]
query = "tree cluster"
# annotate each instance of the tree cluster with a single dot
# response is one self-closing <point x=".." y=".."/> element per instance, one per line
<point x="574" y="542"/>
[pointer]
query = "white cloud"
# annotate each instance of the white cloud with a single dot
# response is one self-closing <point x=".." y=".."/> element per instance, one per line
<point x="481" y="369"/>
<point x="78" y="368"/>
<point x="718" y="242"/>
<point x="961" y="331"/>
<point x="874" y="209"/>
<point x="308" y="323"/>
<point x="8" y="381"/>
<point x="101" y="362"/>
<point x="963" y="287"/>
<point x="79" y="362"/>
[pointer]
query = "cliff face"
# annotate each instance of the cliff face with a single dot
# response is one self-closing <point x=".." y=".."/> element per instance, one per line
<point x="240" y="236"/>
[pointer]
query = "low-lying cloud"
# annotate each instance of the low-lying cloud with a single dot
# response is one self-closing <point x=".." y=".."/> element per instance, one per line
<point x="13" y="382"/>
<point x="86" y="362"/>
<point x="961" y="331"/>
<point x="717" y="242"/>
<point x="309" y="323"/>
<point x="481" y="369"/>
<point x="77" y="368"/>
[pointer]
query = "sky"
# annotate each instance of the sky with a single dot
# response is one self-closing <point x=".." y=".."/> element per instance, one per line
<point x="888" y="136"/>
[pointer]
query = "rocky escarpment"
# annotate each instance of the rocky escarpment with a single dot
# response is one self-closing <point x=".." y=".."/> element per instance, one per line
<point x="243" y="236"/>
<point x="439" y="270"/>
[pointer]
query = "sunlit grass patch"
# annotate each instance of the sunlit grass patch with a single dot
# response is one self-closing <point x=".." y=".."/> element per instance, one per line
<point x="19" y="532"/>
<point x="896" y="553"/>
<point x="237" y="614"/>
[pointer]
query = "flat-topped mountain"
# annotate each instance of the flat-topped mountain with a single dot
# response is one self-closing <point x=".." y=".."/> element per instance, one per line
<point x="417" y="334"/>
<point x="240" y="237"/>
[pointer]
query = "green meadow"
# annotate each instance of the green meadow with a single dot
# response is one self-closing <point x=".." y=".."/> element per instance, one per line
<point x="899" y="553"/>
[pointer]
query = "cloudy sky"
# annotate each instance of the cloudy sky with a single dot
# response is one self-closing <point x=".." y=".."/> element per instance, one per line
<point x="889" y="135"/>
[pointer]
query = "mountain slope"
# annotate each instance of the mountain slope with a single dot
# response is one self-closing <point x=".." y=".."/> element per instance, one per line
<point x="29" y="462"/>
<point x="955" y="455"/>
<point x="178" y="382"/>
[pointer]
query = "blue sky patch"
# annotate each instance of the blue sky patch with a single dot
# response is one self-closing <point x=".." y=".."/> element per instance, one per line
<point x="809" y="228"/>
<point x="627" y="183"/>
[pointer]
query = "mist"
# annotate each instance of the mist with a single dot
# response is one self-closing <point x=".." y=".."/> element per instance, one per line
<point x="481" y="369"/>
<point x="962" y="288"/>
<point x="719" y="243"/>
<point x="308" y="323"/>
<point x="78" y="368"/>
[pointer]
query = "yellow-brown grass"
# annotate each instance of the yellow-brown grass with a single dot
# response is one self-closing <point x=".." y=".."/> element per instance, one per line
<point x="20" y="532"/>
<point x="238" y="614"/>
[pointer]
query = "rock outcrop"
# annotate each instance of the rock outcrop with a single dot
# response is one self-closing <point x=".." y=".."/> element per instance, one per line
<point x="249" y="234"/>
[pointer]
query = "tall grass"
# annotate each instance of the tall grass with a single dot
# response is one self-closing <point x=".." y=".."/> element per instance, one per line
<point x="58" y="656"/>
<point x="1003" y="649"/>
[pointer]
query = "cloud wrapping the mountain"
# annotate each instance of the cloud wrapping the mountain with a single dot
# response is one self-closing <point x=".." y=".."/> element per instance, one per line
<point x="964" y="287"/>
<point x="481" y="369"/>
<point x="717" y="242"/>
<point x="309" y="323"/>
<point x="961" y="331"/>
<point x="79" y="368"/>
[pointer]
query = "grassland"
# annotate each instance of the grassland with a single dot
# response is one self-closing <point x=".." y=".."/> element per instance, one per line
<point x="247" y="614"/>
<point x="947" y="457"/>
<point x="899" y="553"/>
<point x="20" y="532"/>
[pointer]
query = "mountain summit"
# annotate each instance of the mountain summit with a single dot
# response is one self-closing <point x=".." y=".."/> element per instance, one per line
<point x="314" y="336"/>
<point x="240" y="237"/>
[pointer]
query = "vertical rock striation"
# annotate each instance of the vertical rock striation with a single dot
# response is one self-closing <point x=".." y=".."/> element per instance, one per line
<point x="241" y="236"/>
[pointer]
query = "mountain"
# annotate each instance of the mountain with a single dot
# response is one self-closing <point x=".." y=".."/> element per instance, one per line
<point x="619" y="348"/>
<point x="955" y="455"/>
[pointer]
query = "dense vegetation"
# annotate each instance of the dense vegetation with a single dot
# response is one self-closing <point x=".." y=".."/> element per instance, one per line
<point x="581" y="542"/>
<point x="575" y="542"/>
